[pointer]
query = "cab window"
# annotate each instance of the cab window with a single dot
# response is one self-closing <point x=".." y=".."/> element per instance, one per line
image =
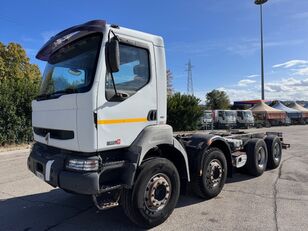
<point x="133" y="73"/>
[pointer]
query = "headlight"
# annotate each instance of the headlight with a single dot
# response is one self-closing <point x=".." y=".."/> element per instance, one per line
<point x="82" y="165"/>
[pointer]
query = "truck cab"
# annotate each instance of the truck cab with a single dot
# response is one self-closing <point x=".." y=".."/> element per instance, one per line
<point x="244" y="119"/>
<point x="80" y="107"/>
<point x="207" y="120"/>
<point x="224" y="118"/>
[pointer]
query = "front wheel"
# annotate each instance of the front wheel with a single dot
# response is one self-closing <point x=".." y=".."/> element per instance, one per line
<point x="214" y="173"/>
<point x="154" y="194"/>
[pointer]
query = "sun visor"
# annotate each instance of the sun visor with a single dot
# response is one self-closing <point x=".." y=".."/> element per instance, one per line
<point x="69" y="35"/>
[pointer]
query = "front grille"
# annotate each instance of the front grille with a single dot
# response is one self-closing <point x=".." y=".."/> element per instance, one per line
<point x="54" y="133"/>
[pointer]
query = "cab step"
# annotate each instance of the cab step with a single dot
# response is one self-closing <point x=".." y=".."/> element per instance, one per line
<point x="108" y="198"/>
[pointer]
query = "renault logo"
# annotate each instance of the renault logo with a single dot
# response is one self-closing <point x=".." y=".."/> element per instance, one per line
<point x="47" y="138"/>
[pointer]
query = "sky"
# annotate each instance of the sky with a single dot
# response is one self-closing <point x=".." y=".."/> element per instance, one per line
<point x="221" y="38"/>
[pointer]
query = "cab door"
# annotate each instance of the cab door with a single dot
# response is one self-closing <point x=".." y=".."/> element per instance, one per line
<point x="120" y="119"/>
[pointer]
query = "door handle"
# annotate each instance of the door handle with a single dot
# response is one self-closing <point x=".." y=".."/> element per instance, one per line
<point x="152" y="115"/>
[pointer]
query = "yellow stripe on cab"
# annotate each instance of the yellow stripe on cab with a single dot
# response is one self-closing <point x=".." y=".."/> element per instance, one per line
<point x="122" y="121"/>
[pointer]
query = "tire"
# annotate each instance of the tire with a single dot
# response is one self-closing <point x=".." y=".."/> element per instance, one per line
<point x="214" y="174"/>
<point x="71" y="192"/>
<point x="274" y="148"/>
<point x="257" y="157"/>
<point x="160" y="177"/>
<point x="268" y="124"/>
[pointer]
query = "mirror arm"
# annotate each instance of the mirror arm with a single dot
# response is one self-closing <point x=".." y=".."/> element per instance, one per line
<point x="113" y="83"/>
<point x="111" y="73"/>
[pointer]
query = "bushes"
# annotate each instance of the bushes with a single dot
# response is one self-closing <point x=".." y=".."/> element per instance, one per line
<point x="183" y="112"/>
<point x="19" y="84"/>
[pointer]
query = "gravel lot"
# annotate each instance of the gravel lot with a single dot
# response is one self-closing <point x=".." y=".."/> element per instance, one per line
<point x="278" y="200"/>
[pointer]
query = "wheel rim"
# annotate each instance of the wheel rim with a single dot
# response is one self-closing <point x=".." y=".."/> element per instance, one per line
<point x="214" y="173"/>
<point x="158" y="192"/>
<point x="277" y="152"/>
<point x="261" y="157"/>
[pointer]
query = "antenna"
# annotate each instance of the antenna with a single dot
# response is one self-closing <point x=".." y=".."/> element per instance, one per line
<point x="190" y="87"/>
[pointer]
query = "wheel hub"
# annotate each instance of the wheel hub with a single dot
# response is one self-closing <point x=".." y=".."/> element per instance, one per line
<point x="261" y="157"/>
<point x="158" y="192"/>
<point x="214" y="173"/>
<point x="276" y="153"/>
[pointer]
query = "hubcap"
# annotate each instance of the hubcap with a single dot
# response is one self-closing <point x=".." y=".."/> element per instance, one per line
<point x="261" y="157"/>
<point x="214" y="173"/>
<point x="158" y="192"/>
<point x="277" y="152"/>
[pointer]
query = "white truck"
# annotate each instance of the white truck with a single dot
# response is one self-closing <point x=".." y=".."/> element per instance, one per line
<point x="244" y="119"/>
<point x="100" y="127"/>
<point x="224" y="119"/>
<point x="207" y="120"/>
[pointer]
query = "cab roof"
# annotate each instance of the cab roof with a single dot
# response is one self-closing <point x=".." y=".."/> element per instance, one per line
<point x="70" y="34"/>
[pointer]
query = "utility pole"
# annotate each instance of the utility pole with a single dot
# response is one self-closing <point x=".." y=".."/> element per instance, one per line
<point x="260" y="3"/>
<point x="190" y="87"/>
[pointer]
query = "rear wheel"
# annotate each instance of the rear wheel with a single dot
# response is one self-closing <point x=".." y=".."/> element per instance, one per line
<point x="268" y="124"/>
<point x="154" y="194"/>
<point x="257" y="156"/>
<point x="214" y="173"/>
<point x="274" y="148"/>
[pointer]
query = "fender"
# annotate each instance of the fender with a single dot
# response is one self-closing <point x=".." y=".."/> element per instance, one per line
<point x="197" y="144"/>
<point x="154" y="136"/>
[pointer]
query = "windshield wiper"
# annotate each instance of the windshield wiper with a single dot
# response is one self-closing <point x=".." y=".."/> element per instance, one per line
<point x="65" y="91"/>
<point x="42" y="96"/>
<point x="60" y="92"/>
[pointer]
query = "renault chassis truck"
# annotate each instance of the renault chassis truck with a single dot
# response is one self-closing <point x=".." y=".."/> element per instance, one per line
<point x="100" y="129"/>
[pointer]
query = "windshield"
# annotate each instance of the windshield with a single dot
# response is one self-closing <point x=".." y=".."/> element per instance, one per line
<point x="230" y="114"/>
<point x="71" y="69"/>
<point x="208" y="115"/>
<point x="247" y="114"/>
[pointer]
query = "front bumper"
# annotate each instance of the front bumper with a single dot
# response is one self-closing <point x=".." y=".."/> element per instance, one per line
<point x="48" y="163"/>
<point x="245" y="124"/>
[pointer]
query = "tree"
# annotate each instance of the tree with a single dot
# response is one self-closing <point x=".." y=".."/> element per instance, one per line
<point x="217" y="100"/>
<point x="183" y="112"/>
<point x="19" y="84"/>
<point x="169" y="83"/>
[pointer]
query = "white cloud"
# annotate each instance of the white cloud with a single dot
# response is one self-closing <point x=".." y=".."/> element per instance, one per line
<point x="293" y="87"/>
<point x="299" y="67"/>
<point x="284" y="89"/>
<point x="245" y="82"/>
<point x="236" y="94"/>
<point x="252" y="76"/>
<point x="291" y="63"/>
<point x="302" y="71"/>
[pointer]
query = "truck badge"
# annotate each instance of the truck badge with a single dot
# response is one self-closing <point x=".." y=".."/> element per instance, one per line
<point x="47" y="138"/>
<point x="114" y="142"/>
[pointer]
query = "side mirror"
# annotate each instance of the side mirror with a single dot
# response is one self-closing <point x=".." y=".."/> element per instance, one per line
<point x="113" y="55"/>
